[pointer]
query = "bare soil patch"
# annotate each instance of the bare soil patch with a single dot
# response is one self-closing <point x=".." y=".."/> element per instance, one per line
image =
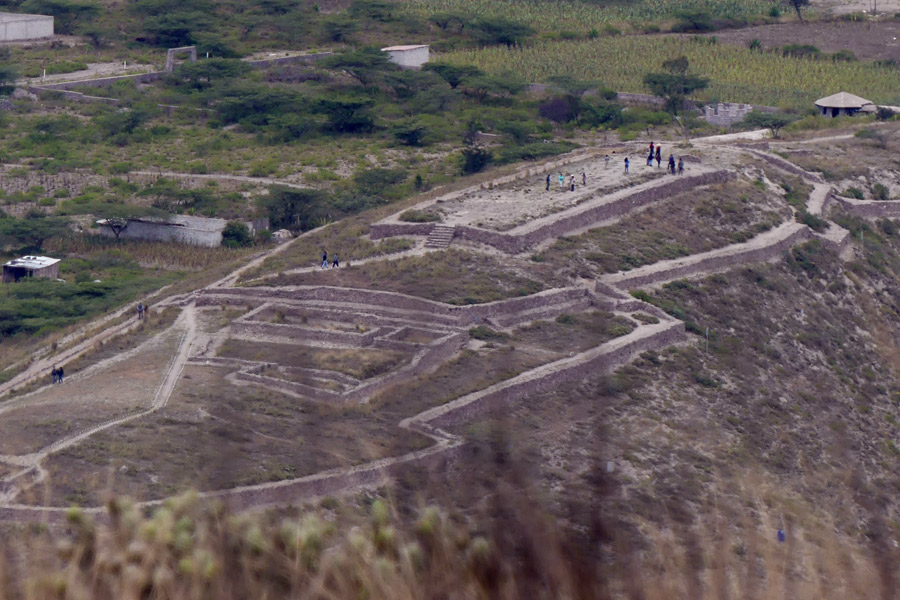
<point x="868" y="40"/>
<point x="453" y="276"/>
<point x="574" y="333"/>
<point x="214" y="435"/>
<point x="32" y="422"/>
<point x="361" y="363"/>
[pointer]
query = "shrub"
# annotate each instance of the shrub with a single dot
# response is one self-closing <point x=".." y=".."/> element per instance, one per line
<point x="880" y="192"/>
<point x="236" y="235"/>
<point x="484" y="333"/>
<point x="801" y="51"/>
<point x="854" y="193"/>
<point x="419" y="216"/>
<point x="475" y="159"/>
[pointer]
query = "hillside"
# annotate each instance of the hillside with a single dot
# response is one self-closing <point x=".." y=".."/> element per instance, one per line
<point x="457" y="336"/>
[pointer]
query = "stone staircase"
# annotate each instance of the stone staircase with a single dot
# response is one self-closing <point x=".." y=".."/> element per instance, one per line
<point x="440" y="236"/>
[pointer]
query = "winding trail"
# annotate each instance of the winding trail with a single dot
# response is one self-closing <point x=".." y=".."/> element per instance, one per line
<point x="433" y="422"/>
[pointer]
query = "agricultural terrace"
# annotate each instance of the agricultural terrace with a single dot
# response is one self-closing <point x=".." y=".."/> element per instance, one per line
<point x="553" y="16"/>
<point x="736" y="74"/>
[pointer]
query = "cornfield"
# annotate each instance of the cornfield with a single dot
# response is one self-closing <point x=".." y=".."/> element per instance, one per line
<point x="736" y="74"/>
<point x="544" y="15"/>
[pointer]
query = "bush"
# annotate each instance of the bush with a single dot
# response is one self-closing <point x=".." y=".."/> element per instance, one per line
<point x="486" y="334"/>
<point x="475" y="159"/>
<point x="801" y="51"/>
<point x="419" y="216"/>
<point x="880" y="192"/>
<point x="854" y="193"/>
<point x="236" y="235"/>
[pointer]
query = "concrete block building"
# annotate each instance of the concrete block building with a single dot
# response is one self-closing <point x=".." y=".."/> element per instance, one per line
<point x="31" y="266"/>
<point x="410" y="57"/>
<point x="15" y="27"/>
<point x="183" y="229"/>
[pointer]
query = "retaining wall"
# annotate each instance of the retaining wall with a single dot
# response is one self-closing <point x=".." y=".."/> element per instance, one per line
<point x="870" y="209"/>
<point x="599" y="359"/>
<point x="788" y="166"/>
<point x="521" y="239"/>
<point x="298" y="332"/>
<point x="716" y="262"/>
<point x="311" y="392"/>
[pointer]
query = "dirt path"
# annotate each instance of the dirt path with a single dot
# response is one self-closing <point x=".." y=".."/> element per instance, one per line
<point x="220" y="177"/>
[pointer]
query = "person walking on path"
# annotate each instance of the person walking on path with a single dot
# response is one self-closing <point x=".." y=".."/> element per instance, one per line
<point x="651" y="147"/>
<point x="548" y="182"/>
<point x="55" y="373"/>
<point x="671" y="167"/>
<point x="572" y="183"/>
<point x="324" y="259"/>
<point x="59" y="375"/>
<point x="626" y="165"/>
<point x="140" y="310"/>
<point x="681" y="165"/>
<point x="336" y="262"/>
<point x="583" y="178"/>
<point x="607" y="161"/>
<point x="562" y="181"/>
<point x="658" y="156"/>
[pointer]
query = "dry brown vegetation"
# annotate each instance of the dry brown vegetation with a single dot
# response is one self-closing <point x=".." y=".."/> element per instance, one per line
<point x="453" y="276"/>
<point x="695" y="222"/>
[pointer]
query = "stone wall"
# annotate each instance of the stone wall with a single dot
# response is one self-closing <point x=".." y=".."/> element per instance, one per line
<point x="349" y="339"/>
<point x="870" y="209"/>
<point x="717" y="262"/>
<point x="540" y="231"/>
<point x="550" y="377"/>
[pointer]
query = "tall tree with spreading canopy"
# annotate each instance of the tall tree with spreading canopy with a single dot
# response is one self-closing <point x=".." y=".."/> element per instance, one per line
<point x="675" y="85"/>
<point x="799" y="4"/>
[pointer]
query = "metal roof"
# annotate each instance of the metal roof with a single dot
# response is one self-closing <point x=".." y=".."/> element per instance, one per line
<point x="32" y="262"/>
<point x="842" y="100"/>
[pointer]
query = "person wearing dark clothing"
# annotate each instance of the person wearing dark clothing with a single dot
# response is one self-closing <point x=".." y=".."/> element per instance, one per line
<point x="680" y="165"/>
<point x="651" y="147"/>
<point x="672" y="164"/>
<point x="55" y="373"/>
<point x="650" y="159"/>
<point x="626" y="164"/>
<point x="658" y="156"/>
<point x="59" y="375"/>
<point x="324" y="259"/>
<point x="548" y="182"/>
<point x="583" y="178"/>
<point x="336" y="262"/>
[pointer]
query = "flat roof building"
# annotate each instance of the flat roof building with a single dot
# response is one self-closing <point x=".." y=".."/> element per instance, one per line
<point x="31" y="266"/>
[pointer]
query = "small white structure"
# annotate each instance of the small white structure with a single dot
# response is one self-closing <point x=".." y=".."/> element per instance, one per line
<point x="31" y="266"/>
<point x="843" y="104"/>
<point x="15" y="27"/>
<point x="410" y="57"/>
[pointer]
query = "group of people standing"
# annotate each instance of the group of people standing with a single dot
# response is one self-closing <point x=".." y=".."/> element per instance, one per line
<point x="57" y="374"/>
<point x="656" y="153"/>
<point x="562" y="181"/>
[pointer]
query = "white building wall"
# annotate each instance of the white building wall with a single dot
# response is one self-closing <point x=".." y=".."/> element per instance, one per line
<point x="24" y="27"/>
<point x="413" y="58"/>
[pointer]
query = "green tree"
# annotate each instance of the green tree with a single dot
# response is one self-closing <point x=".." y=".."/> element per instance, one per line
<point x="491" y="31"/>
<point x="236" y="235"/>
<point x="410" y="132"/>
<point x="201" y="74"/>
<point x="347" y="114"/>
<point x="675" y="85"/>
<point x="66" y="13"/>
<point x="772" y="121"/>
<point x="29" y="234"/>
<point x="454" y="74"/>
<point x="364" y="65"/>
<point x="290" y="208"/>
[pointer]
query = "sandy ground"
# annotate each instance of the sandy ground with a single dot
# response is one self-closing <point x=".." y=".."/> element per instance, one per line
<point x="872" y="40"/>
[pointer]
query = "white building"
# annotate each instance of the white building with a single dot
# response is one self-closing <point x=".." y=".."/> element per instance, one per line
<point x="410" y="57"/>
<point x="14" y="27"/>
<point x="843" y="104"/>
<point x="31" y="266"/>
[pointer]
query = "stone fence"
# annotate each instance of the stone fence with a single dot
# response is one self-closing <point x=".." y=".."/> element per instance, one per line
<point x="870" y="209"/>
